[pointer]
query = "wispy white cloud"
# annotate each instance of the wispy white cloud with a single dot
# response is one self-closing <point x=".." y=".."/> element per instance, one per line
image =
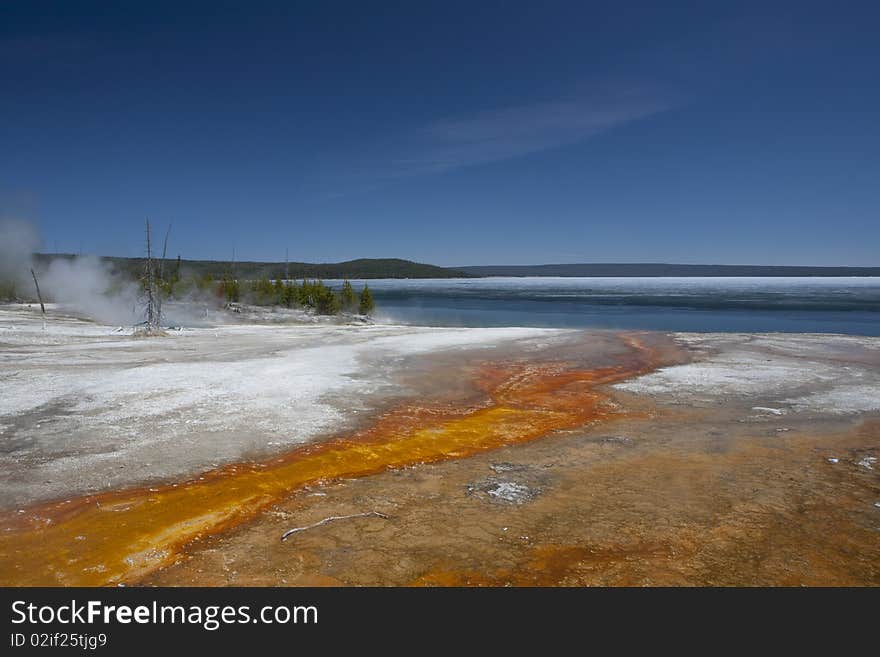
<point x="491" y="136"/>
<point x="508" y="133"/>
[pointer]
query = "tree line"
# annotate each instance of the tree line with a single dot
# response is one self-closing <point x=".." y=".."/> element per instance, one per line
<point x="311" y="294"/>
<point x="364" y="268"/>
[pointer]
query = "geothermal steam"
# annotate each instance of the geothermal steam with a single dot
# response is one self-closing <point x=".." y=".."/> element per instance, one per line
<point x="18" y="240"/>
<point x="83" y="284"/>
<point x="87" y="285"/>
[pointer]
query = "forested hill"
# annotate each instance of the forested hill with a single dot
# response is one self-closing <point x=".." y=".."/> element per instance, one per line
<point x="660" y="269"/>
<point x="362" y="268"/>
<point x="398" y="268"/>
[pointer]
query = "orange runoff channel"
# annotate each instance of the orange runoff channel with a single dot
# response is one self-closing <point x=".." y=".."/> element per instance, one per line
<point x="121" y="536"/>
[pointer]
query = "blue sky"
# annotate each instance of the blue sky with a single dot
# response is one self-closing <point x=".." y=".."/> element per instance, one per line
<point x="451" y="132"/>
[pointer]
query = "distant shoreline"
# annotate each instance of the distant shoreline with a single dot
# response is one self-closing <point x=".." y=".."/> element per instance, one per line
<point x="632" y="270"/>
<point x="377" y="268"/>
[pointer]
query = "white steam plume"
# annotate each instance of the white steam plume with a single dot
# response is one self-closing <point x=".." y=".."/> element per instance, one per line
<point x="18" y="241"/>
<point x="86" y="284"/>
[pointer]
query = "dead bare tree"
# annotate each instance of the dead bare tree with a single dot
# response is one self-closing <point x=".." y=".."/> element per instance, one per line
<point x="161" y="276"/>
<point x="150" y="291"/>
<point x="39" y="296"/>
<point x="151" y="282"/>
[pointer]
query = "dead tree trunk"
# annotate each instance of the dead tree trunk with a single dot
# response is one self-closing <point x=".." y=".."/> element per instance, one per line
<point x="39" y="296"/>
<point x="161" y="278"/>
<point x="152" y="312"/>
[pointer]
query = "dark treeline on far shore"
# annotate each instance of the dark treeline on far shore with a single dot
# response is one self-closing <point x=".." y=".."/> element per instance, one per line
<point x="352" y="269"/>
<point x="369" y="268"/>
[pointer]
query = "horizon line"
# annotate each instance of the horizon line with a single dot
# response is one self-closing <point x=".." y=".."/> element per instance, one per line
<point x="653" y="263"/>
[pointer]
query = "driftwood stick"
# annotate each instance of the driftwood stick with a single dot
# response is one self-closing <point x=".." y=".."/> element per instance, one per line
<point x="366" y="514"/>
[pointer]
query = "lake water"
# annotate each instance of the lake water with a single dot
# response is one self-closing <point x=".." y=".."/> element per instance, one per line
<point x="814" y="305"/>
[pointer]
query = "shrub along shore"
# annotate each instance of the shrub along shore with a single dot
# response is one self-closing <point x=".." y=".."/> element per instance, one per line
<point x="314" y="295"/>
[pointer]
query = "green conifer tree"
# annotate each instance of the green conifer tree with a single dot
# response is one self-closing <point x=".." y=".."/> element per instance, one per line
<point x="326" y="301"/>
<point x="347" y="298"/>
<point x="366" y="305"/>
